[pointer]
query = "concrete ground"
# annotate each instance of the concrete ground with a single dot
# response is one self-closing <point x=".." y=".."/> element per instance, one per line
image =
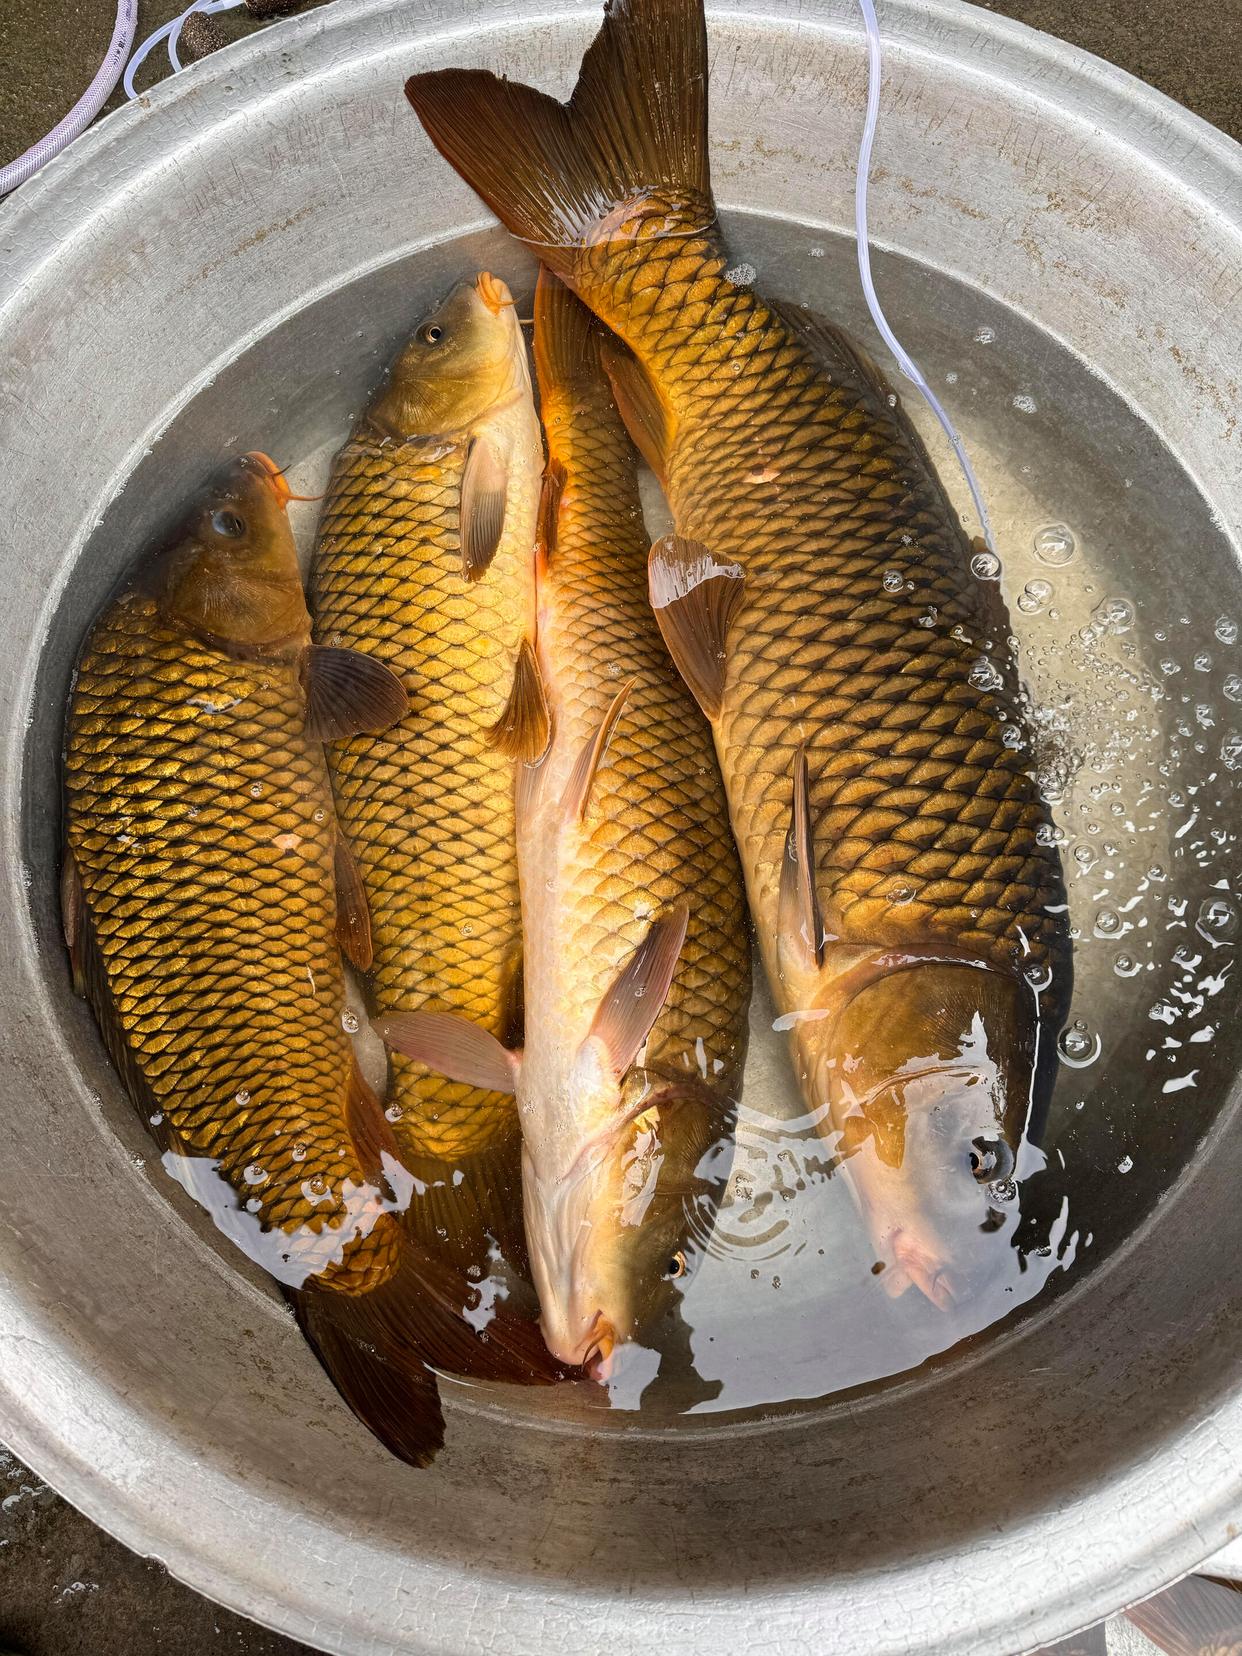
<point x="67" y="1589"/>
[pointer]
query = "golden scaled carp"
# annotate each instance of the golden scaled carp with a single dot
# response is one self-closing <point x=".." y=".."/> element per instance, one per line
<point x="637" y="952"/>
<point x="425" y="560"/>
<point x="818" y="596"/>
<point x="205" y="886"/>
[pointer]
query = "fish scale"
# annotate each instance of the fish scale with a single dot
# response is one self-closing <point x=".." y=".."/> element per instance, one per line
<point x="429" y="805"/>
<point x="195" y="907"/>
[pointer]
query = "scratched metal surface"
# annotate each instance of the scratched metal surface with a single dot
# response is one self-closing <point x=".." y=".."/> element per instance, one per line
<point x="1098" y="1446"/>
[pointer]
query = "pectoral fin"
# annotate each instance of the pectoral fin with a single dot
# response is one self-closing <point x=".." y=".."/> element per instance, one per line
<point x="578" y="789"/>
<point x="451" y="1046"/>
<point x="484" y="485"/>
<point x="349" y="694"/>
<point x="695" y="599"/>
<point x="353" y="915"/>
<point x="523" y="730"/>
<point x="631" y="1006"/>
<point x="640" y="406"/>
<point x="799" y="917"/>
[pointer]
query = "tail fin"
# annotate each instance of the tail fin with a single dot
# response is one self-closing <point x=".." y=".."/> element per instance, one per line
<point x="636" y="123"/>
<point x="449" y="1306"/>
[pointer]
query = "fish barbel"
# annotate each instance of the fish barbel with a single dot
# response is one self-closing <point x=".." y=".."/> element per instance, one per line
<point x="206" y="886"/>
<point x="819" y="598"/>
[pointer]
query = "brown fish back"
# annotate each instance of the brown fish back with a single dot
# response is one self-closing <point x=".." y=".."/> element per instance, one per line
<point x="428" y="806"/>
<point x="200" y="825"/>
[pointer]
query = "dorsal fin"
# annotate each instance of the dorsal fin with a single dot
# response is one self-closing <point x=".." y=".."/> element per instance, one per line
<point x="578" y="789"/>
<point x="640" y="405"/>
<point x="800" y="920"/>
<point x="523" y="729"/>
<point x="695" y="599"/>
<point x="630" y="1007"/>
<point x="353" y="914"/>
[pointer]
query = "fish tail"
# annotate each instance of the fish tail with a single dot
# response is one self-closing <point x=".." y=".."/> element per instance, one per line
<point x="634" y="129"/>
<point x="447" y="1307"/>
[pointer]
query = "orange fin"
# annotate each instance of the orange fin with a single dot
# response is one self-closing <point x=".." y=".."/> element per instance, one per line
<point x="567" y="337"/>
<point x="368" y="1128"/>
<point x="349" y="694"/>
<point x="524" y="728"/>
<point x="640" y="406"/>
<point x="695" y="600"/>
<point x="72" y="908"/>
<point x="353" y="915"/>
<point x="1197" y="1616"/>
<point x="799" y="911"/>
<point x="549" y="513"/>
<point x="632" y="1004"/>
<point x="578" y="789"/>
<point x="481" y="520"/>
<point x="451" y="1046"/>
<point x="636" y="124"/>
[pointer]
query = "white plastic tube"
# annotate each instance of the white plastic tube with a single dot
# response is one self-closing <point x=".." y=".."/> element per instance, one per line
<point x="87" y="106"/>
<point x="171" y="32"/>
<point x="905" y="361"/>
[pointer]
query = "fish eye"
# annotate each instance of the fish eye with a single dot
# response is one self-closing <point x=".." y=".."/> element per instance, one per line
<point x="991" y="1160"/>
<point x="676" y="1266"/>
<point x="229" y="524"/>
<point x="431" y="333"/>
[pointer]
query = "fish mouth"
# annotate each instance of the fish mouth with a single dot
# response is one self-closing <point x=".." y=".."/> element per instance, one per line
<point x="592" y="1352"/>
<point x="493" y="292"/>
<point x="272" y="474"/>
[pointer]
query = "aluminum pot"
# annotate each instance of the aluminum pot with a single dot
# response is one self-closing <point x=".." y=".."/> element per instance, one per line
<point x="151" y="282"/>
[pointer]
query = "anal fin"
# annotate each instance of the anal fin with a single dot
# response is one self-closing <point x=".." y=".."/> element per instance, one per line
<point x="695" y="599"/>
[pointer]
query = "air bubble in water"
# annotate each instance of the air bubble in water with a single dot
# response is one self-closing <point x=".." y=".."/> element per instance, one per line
<point x="985" y="565"/>
<point x="1227" y="630"/>
<point x="349" y="1022"/>
<point x="1126" y="966"/>
<point x="1114" y="615"/>
<point x="1203" y="662"/>
<point x="984" y="335"/>
<point x="892" y="580"/>
<point x="1233" y="688"/>
<point x="297" y="1150"/>
<point x="1078" y="1046"/>
<point x="316" y="1189"/>
<point x="984" y="676"/>
<point x="1231" y="752"/>
<point x="1126" y="1164"/>
<point x="241" y="1097"/>
<point x="1024" y="403"/>
<point x="254" y="1174"/>
<point x="1107" y="923"/>
<point x="741" y="275"/>
<point x="1055" y="544"/>
<point x="394" y="1113"/>
<point x="256" y="790"/>
<point x="1011" y="736"/>
<point x="1218" y="920"/>
<point x="1002" y="1190"/>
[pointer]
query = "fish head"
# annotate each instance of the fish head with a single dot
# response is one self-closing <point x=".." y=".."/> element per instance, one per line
<point x="462" y="359"/>
<point x="615" y="1241"/>
<point x="930" y="1078"/>
<point x="231" y="572"/>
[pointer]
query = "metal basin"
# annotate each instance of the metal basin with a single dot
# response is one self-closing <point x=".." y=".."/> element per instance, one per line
<point x="225" y="267"/>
